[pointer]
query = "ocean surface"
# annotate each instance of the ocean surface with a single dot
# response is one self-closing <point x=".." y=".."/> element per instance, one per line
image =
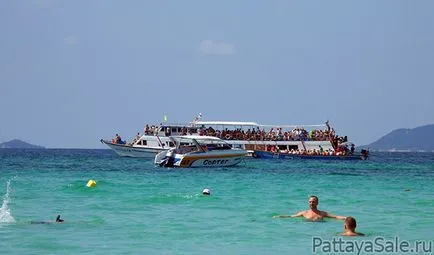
<point x="137" y="208"/>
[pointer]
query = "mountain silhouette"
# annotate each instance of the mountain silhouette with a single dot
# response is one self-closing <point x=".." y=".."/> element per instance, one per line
<point x="16" y="143"/>
<point x="404" y="139"/>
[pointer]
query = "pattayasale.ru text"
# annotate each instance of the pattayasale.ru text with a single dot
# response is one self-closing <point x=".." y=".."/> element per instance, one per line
<point x="374" y="246"/>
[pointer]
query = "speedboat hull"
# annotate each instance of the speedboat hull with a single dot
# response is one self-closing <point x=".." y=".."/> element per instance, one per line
<point x="209" y="160"/>
<point x="199" y="159"/>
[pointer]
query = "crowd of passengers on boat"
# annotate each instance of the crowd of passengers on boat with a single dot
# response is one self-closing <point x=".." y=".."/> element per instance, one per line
<point x="339" y="151"/>
<point x="255" y="134"/>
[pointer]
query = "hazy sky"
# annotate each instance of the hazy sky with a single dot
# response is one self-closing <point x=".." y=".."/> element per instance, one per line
<point x="72" y="72"/>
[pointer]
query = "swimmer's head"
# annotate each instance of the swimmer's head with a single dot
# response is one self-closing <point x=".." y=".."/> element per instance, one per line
<point x="206" y="192"/>
<point x="58" y="219"/>
<point x="313" y="202"/>
<point x="350" y="223"/>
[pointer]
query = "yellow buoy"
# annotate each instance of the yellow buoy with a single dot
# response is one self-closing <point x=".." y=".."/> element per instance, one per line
<point x="91" y="183"/>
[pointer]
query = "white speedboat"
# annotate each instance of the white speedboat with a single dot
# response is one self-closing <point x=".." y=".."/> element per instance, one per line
<point x="145" y="146"/>
<point x="199" y="151"/>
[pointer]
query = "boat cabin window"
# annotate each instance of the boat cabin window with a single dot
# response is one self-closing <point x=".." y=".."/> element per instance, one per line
<point x="142" y="142"/>
<point x="237" y="146"/>
<point x="282" y="147"/>
<point x="288" y="147"/>
<point x="292" y="147"/>
<point x="167" y="131"/>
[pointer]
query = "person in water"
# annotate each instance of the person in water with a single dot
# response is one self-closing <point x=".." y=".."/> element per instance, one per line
<point x="58" y="220"/>
<point x="350" y="225"/>
<point x="313" y="214"/>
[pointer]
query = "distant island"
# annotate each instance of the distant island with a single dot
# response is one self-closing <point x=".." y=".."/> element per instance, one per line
<point x="18" y="144"/>
<point x="404" y="139"/>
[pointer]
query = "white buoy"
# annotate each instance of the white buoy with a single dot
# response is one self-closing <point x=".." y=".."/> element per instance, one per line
<point x="206" y="192"/>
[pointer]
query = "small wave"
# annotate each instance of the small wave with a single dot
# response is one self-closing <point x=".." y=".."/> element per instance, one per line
<point x="345" y="174"/>
<point x="5" y="213"/>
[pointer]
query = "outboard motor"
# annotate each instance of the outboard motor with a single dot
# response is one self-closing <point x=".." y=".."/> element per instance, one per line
<point x="169" y="159"/>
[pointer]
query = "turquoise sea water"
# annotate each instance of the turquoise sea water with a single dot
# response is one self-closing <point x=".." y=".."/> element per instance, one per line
<point x="137" y="208"/>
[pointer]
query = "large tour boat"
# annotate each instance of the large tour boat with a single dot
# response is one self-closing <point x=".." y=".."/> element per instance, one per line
<point x="249" y="136"/>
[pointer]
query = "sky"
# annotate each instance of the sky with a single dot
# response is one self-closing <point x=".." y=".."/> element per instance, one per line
<point x="73" y="72"/>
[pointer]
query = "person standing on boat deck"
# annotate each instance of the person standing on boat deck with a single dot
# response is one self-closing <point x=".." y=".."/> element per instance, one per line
<point x="137" y="137"/>
<point x="117" y="139"/>
<point x="313" y="214"/>
<point x="350" y="225"/>
<point x="352" y="149"/>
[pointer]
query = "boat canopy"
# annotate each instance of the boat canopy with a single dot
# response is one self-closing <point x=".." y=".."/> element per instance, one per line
<point x="294" y="126"/>
<point x="198" y="141"/>
<point x="196" y="137"/>
<point x="254" y="124"/>
<point x="225" y="123"/>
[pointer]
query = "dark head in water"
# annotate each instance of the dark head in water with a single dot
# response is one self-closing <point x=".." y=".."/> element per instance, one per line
<point x="58" y="219"/>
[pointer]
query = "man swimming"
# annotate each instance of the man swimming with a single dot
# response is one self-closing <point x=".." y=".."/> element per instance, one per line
<point x="58" y="220"/>
<point x="313" y="214"/>
<point x="350" y="225"/>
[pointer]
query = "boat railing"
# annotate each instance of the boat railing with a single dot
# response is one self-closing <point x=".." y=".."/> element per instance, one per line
<point x="320" y="132"/>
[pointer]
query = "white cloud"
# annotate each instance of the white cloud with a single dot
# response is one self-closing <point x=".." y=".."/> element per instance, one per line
<point x="70" y="40"/>
<point x="208" y="47"/>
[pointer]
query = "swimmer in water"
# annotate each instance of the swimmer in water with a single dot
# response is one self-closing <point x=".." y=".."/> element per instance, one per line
<point x="350" y="225"/>
<point x="58" y="220"/>
<point x="313" y="214"/>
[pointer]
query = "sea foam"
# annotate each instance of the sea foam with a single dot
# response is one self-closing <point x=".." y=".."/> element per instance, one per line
<point x="5" y="212"/>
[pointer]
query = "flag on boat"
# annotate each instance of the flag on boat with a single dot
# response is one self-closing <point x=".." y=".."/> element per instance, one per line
<point x="198" y="118"/>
